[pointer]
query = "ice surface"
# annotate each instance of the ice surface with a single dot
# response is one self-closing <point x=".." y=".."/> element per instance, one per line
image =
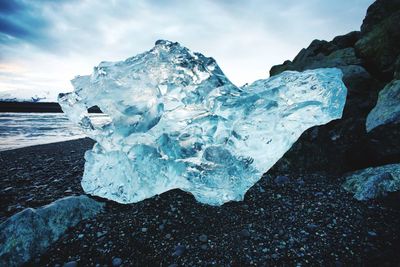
<point x="178" y="122"/>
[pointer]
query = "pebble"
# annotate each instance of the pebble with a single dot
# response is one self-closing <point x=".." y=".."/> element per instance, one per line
<point x="116" y="262"/>
<point x="179" y="250"/>
<point x="281" y="179"/>
<point x="312" y="226"/>
<point x="372" y="233"/>
<point x="318" y="194"/>
<point x="203" y="238"/>
<point x="265" y="212"/>
<point x="71" y="264"/>
<point x="244" y="233"/>
<point x="100" y="234"/>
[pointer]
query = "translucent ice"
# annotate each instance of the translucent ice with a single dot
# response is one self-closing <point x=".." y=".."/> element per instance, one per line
<point x="176" y="121"/>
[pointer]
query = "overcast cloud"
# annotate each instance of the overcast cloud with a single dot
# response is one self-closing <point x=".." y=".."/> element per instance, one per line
<point x="44" y="44"/>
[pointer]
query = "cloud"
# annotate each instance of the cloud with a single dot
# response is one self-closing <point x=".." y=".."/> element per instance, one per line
<point x="52" y="41"/>
<point x="19" y="22"/>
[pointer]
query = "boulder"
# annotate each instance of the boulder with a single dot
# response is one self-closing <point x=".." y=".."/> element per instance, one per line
<point x="380" y="38"/>
<point x="387" y="109"/>
<point x="323" y="54"/>
<point x="372" y="183"/>
<point x="32" y="231"/>
<point x="368" y="63"/>
<point x="397" y="69"/>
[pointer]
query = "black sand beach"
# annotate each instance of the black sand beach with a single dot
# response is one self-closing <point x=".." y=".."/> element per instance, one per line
<point x="308" y="219"/>
<point x="298" y="214"/>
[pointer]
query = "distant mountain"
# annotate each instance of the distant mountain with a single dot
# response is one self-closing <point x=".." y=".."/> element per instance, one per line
<point x="32" y="101"/>
<point x="28" y="96"/>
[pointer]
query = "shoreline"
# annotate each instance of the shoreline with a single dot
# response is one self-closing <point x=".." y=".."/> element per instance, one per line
<point x="43" y="144"/>
<point x="308" y="220"/>
<point x="36" y="107"/>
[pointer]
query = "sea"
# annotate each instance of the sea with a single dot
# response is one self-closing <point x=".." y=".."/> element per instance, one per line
<point x="27" y="129"/>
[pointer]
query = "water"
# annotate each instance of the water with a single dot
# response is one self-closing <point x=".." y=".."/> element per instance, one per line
<point x="27" y="129"/>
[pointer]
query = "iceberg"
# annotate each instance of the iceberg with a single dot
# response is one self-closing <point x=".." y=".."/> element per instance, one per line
<point x="176" y="121"/>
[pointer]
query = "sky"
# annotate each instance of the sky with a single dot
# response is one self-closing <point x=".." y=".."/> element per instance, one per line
<point x="44" y="43"/>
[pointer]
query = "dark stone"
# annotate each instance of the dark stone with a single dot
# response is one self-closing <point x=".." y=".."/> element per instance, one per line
<point x="203" y="238"/>
<point x="397" y="69"/>
<point x="71" y="264"/>
<point x="379" y="44"/>
<point x="312" y="226"/>
<point x="116" y="262"/>
<point x="281" y="179"/>
<point x="179" y="250"/>
<point x="379" y="11"/>
<point x="365" y="58"/>
<point x="244" y="233"/>
<point x="347" y="40"/>
<point x="372" y="233"/>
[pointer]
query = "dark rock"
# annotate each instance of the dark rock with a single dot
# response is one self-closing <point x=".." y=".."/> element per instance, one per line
<point x="312" y="226"/>
<point x="379" y="11"/>
<point x="203" y="238"/>
<point x="281" y="179"/>
<point x="179" y="250"/>
<point x="365" y="58"/>
<point x="313" y="58"/>
<point x="71" y="264"/>
<point x="244" y="233"/>
<point x="116" y="262"/>
<point x="397" y="69"/>
<point x="347" y="40"/>
<point x="372" y="233"/>
<point x="379" y="44"/>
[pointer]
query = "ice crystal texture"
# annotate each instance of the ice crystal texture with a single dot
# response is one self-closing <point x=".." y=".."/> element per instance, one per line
<point x="176" y="121"/>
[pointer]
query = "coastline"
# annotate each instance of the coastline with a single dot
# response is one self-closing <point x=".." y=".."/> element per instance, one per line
<point x="36" y="107"/>
<point x="309" y="220"/>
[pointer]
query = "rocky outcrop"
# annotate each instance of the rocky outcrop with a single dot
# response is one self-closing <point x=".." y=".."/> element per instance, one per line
<point x="373" y="183"/>
<point x="322" y="54"/>
<point x="387" y="109"/>
<point x="380" y="39"/>
<point x="32" y="231"/>
<point x="368" y="63"/>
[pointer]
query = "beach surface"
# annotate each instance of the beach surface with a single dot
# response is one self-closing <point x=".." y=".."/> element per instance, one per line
<point x="296" y="219"/>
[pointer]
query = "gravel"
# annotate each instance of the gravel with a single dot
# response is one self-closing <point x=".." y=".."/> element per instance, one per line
<point x="308" y="220"/>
